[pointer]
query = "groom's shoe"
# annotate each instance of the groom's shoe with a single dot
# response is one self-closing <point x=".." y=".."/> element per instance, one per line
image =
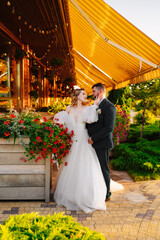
<point x="108" y="197"/>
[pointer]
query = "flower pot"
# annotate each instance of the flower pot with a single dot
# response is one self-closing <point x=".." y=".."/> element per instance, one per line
<point x="21" y="180"/>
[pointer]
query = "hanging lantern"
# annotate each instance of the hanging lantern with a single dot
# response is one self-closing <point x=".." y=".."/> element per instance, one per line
<point x="25" y="22"/>
<point x="34" y="29"/>
<point x="19" y="18"/>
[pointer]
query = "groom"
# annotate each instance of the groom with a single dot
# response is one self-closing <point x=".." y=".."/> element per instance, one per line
<point x="100" y="132"/>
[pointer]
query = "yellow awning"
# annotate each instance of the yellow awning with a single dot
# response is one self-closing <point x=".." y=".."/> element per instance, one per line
<point x="109" y="49"/>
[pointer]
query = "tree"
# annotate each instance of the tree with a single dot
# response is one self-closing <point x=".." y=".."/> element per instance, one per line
<point x="145" y="91"/>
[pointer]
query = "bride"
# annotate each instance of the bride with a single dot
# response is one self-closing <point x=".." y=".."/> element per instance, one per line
<point x="81" y="184"/>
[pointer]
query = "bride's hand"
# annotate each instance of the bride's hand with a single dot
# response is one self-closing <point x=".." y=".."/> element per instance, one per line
<point x="97" y="100"/>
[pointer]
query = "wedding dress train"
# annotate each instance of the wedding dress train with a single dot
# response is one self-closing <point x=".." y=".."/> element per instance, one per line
<point x="81" y="185"/>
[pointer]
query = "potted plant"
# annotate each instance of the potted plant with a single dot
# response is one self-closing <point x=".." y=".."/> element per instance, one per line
<point x="19" y="54"/>
<point x="56" y="62"/>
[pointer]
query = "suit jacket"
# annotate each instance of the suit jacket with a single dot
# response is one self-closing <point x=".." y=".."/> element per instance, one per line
<point x="101" y="131"/>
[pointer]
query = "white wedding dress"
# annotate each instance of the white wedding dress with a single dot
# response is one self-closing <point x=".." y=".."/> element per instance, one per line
<point x="81" y="185"/>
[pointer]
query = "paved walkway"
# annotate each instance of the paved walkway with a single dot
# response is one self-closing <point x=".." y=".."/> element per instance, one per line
<point x="133" y="213"/>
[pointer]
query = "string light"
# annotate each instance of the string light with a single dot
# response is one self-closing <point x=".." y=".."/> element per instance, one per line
<point x="13" y="10"/>
<point x="25" y="22"/>
<point x="36" y="29"/>
<point x="8" y="3"/>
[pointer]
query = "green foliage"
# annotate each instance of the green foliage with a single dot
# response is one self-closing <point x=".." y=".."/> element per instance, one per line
<point x="141" y="156"/>
<point x="58" y="106"/>
<point x="153" y="105"/>
<point x="145" y="90"/>
<point x="58" y="227"/>
<point x="149" y="117"/>
<point x="121" y="97"/>
<point x="55" y="107"/>
<point x="151" y="132"/>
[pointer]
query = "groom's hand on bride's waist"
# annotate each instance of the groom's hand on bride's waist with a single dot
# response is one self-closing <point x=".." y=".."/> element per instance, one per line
<point x="90" y="141"/>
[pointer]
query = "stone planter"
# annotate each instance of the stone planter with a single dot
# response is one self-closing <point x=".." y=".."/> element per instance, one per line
<point x="20" y="180"/>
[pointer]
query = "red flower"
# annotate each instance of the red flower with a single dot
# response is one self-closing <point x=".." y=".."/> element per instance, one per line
<point x="21" y="121"/>
<point x="72" y="133"/>
<point x="7" y="134"/>
<point x="66" y="130"/>
<point x="7" y="122"/>
<point x="61" y="125"/>
<point x="31" y="152"/>
<point x="49" y="146"/>
<point x="65" y="164"/>
<point x="35" y="143"/>
<point x="44" y="149"/>
<point x="45" y="119"/>
<point x="39" y="139"/>
<point x="36" y="160"/>
<point x="56" y="119"/>
<point x="54" y="150"/>
<point x="36" y="120"/>
<point x="44" y="143"/>
<point x="12" y="115"/>
<point x="63" y="146"/>
<point x="61" y="133"/>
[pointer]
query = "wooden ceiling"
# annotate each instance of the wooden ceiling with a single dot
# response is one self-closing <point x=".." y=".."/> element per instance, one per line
<point x="43" y="25"/>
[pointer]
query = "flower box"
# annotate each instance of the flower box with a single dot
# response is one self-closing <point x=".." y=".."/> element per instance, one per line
<point x="25" y="162"/>
<point x="21" y="180"/>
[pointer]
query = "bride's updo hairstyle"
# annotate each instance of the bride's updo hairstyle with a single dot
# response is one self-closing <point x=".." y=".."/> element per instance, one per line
<point x="75" y="95"/>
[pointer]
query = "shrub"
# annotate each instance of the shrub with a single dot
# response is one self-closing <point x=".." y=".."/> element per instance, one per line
<point x="150" y="132"/>
<point x="33" y="226"/>
<point x="149" y="117"/>
<point x="141" y="156"/>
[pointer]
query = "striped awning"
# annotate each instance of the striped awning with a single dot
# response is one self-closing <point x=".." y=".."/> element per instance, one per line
<point x="109" y="49"/>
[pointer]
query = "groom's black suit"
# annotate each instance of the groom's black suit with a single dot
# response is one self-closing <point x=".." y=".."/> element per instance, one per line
<point x="101" y="133"/>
